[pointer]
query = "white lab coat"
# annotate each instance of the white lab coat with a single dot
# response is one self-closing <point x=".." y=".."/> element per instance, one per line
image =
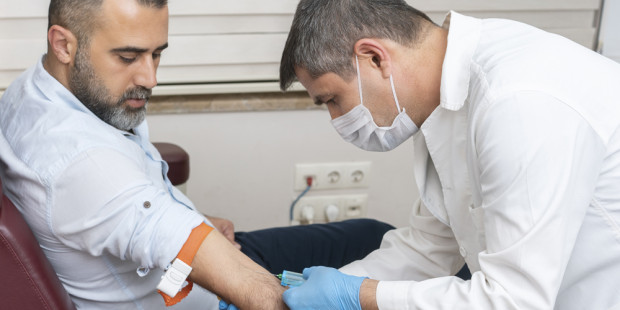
<point x="518" y="172"/>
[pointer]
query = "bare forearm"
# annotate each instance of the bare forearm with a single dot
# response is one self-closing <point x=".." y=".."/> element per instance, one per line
<point x="222" y="269"/>
<point x="368" y="294"/>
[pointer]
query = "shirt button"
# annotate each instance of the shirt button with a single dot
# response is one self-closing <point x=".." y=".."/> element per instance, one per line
<point x="147" y="204"/>
<point x="463" y="252"/>
<point x="143" y="271"/>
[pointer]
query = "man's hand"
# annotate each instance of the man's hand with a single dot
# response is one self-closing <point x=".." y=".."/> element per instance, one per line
<point x="226" y="228"/>
<point x="325" y="288"/>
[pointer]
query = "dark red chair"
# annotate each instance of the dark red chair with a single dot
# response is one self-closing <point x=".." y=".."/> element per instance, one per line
<point x="177" y="159"/>
<point x="27" y="279"/>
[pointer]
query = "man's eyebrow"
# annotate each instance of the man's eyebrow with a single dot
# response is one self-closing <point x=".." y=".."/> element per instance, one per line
<point x="129" y="49"/>
<point x="138" y="50"/>
<point x="162" y="47"/>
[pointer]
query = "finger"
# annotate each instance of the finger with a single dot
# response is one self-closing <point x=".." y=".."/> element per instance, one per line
<point x="230" y="235"/>
<point x="308" y="271"/>
<point x="288" y="296"/>
<point x="223" y="305"/>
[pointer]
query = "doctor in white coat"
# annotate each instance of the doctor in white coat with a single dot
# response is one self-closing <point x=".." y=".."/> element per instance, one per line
<point x="516" y="136"/>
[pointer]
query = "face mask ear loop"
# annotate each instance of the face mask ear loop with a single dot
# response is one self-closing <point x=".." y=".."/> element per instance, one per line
<point x="394" y="93"/>
<point x="359" y="80"/>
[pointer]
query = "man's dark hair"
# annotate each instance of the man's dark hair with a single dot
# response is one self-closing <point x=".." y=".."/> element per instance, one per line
<point x="81" y="16"/>
<point x="324" y="32"/>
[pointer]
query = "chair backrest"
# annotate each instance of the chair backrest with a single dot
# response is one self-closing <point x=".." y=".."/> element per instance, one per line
<point x="27" y="280"/>
<point x="177" y="159"/>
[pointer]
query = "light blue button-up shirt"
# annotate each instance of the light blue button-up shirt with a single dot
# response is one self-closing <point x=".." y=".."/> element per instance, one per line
<point x="97" y="198"/>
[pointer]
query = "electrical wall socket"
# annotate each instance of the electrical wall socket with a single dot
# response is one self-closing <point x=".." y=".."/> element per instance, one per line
<point x="323" y="209"/>
<point x="333" y="175"/>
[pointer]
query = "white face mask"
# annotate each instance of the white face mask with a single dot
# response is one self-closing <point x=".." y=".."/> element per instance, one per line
<point x="358" y="127"/>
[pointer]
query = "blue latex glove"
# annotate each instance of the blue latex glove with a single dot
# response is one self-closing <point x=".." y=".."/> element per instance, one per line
<point x="325" y="288"/>
<point x="225" y="306"/>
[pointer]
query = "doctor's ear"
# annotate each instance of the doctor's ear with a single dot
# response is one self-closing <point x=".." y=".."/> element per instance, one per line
<point x="62" y="43"/>
<point x="375" y="51"/>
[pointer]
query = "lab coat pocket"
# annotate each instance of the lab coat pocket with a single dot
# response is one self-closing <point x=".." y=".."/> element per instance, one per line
<point x="477" y="217"/>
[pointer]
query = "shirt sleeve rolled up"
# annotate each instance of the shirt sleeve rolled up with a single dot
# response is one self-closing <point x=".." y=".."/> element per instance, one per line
<point x="106" y="202"/>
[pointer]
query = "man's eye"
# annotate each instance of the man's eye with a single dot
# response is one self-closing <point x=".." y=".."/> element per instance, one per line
<point x="127" y="60"/>
<point x="156" y="55"/>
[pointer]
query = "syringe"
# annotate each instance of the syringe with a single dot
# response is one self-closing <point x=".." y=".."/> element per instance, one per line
<point x="289" y="278"/>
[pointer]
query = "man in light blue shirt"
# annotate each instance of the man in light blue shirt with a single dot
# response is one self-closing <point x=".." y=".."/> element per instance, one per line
<point x="76" y="160"/>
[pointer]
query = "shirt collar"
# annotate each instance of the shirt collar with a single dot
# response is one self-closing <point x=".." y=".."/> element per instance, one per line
<point x="463" y="36"/>
<point x="54" y="90"/>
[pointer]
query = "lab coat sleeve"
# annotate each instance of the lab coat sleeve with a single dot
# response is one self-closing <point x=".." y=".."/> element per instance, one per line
<point x="104" y="203"/>
<point x="539" y="161"/>
<point x="423" y="250"/>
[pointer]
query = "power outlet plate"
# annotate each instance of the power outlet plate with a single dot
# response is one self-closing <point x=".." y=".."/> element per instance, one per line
<point x="333" y="175"/>
<point x="348" y="206"/>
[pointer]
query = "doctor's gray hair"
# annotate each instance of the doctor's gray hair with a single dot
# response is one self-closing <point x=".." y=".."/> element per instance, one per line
<point x="324" y="32"/>
<point x="81" y="16"/>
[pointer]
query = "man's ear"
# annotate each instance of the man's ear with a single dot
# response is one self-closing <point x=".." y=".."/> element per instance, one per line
<point x="63" y="44"/>
<point x="377" y="52"/>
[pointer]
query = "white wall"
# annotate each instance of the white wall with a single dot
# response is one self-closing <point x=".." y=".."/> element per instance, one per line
<point x="610" y="30"/>
<point x="242" y="164"/>
<point x="234" y="41"/>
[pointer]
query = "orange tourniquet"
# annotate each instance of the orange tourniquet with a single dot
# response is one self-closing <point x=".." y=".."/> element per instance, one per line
<point x="187" y="253"/>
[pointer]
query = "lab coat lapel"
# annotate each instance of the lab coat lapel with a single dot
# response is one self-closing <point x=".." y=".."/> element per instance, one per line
<point x="427" y="180"/>
<point x="446" y="177"/>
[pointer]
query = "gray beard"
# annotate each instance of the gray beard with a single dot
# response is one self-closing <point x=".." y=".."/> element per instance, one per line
<point x="90" y="90"/>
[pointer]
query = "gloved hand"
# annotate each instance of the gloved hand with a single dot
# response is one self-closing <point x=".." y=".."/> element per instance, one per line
<point x="325" y="288"/>
<point x="225" y="306"/>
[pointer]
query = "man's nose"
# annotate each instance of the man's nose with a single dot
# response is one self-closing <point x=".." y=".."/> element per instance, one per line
<point x="147" y="74"/>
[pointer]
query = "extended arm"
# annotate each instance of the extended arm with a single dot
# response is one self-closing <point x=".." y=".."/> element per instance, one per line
<point x="423" y="250"/>
<point x="224" y="270"/>
<point x="128" y="216"/>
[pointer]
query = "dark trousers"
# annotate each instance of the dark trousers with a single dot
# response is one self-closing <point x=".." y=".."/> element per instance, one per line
<point x="297" y="247"/>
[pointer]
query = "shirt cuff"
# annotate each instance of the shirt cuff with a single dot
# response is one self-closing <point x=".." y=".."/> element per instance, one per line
<point x="394" y="294"/>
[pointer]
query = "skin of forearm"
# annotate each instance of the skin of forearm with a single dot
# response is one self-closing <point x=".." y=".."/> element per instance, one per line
<point x="368" y="294"/>
<point x="222" y="269"/>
